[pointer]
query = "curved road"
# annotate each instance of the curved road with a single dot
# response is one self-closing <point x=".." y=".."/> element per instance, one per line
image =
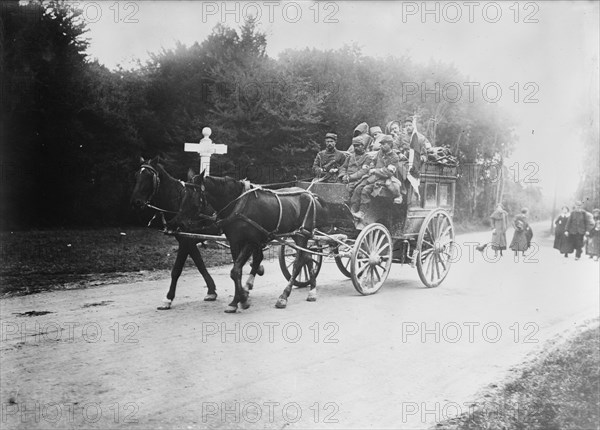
<point x="405" y="357"/>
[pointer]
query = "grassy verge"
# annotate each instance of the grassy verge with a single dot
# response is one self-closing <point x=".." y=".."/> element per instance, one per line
<point x="33" y="261"/>
<point x="560" y="390"/>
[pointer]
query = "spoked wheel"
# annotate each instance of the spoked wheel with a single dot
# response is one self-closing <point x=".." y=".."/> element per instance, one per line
<point x="371" y="259"/>
<point x="287" y="255"/>
<point x="343" y="263"/>
<point x="434" y="248"/>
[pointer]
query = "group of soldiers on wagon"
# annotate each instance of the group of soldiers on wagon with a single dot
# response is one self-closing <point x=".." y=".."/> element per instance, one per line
<point x="376" y="164"/>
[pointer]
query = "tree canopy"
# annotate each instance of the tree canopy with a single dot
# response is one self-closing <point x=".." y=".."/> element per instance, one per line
<point x="72" y="130"/>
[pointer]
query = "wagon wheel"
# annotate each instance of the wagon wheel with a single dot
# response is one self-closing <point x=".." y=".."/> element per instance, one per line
<point x="434" y="247"/>
<point x="343" y="263"/>
<point x="371" y="259"/>
<point x="287" y="255"/>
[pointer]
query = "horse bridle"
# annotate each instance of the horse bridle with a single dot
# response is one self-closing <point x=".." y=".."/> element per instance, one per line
<point x="155" y="181"/>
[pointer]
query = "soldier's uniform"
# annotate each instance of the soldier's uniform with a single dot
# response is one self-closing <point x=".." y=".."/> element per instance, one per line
<point x="328" y="162"/>
<point x="386" y="166"/>
<point x="356" y="167"/>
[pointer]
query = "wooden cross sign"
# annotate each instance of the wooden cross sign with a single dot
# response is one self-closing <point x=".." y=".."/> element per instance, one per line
<point x="206" y="148"/>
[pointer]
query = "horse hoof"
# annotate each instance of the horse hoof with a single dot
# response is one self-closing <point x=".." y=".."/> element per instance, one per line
<point x="281" y="304"/>
<point x="230" y="309"/>
<point x="260" y="271"/>
<point x="246" y="304"/>
<point x="210" y="297"/>
<point x="166" y="305"/>
<point x="311" y="299"/>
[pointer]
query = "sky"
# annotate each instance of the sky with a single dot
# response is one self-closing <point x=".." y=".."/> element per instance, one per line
<point x="543" y="56"/>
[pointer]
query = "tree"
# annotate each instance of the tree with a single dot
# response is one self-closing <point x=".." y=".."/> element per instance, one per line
<point x="43" y="57"/>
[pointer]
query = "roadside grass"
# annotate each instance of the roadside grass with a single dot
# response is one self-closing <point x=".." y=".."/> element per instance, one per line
<point x="559" y="390"/>
<point x="33" y="261"/>
<point x="42" y="260"/>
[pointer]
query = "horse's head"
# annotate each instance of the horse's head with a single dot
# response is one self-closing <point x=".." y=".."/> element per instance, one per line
<point x="194" y="210"/>
<point x="220" y="192"/>
<point x="147" y="181"/>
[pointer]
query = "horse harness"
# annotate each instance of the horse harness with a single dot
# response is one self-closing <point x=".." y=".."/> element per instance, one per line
<point x="155" y="186"/>
<point x="251" y="188"/>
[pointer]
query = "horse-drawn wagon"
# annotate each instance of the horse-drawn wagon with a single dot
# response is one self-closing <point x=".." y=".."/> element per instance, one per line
<point x="417" y="231"/>
<point x="311" y="222"/>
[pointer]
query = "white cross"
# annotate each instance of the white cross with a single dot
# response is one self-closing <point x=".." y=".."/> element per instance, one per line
<point x="206" y="148"/>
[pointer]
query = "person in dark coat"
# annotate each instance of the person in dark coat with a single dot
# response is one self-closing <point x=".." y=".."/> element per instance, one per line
<point x="593" y="244"/>
<point x="521" y="237"/>
<point x="561" y="242"/>
<point x="381" y="177"/>
<point x="328" y="162"/>
<point x="577" y="227"/>
<point x="355" y="168"/>
<point x="499" y="226"/>
<point x="362" y="130"/>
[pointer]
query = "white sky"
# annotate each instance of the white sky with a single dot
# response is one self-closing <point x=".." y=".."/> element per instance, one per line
<point x="558" y="53"/>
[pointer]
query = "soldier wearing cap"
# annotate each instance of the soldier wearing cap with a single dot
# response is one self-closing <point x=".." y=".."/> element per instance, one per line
<point x="328" y="162"/>
<point x="382" y="175"/>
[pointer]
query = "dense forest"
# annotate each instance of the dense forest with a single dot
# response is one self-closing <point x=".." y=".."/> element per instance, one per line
<point x="72" y="131"/>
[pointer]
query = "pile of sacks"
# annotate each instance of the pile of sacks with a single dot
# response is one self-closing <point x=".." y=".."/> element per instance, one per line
<point x="441" y="155"/>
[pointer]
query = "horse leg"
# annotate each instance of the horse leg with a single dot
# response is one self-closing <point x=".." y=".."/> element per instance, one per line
<point x="312" y="270"/>
<point x="182" y="253"/>
<point x="241" y="294"/>
<point x="211" y="296"/>
<point x="298" y="263"/>
<point x="257" y="268"/>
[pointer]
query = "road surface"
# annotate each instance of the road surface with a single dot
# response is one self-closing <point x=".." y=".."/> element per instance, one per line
<point x="406" y="357"/>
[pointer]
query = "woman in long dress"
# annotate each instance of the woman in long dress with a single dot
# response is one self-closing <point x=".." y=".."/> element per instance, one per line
<point x="499" y="225"/>
<point x="520" y="240"/>
<point x="562" y="242"/>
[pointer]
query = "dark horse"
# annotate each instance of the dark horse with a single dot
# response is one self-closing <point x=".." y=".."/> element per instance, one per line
<point x="155" y="187"/>
<point x="252" y="217"/>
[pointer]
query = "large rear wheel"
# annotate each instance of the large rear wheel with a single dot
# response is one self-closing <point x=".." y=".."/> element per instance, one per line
<point x="371" y="259"/>
<point x="434" y="248"/>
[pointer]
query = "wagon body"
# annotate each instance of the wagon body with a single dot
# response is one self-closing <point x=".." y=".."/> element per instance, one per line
<point x="417" y="230"/>
<point x="404" y="220"/>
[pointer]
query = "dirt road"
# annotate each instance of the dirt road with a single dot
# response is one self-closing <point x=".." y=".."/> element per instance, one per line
<point x="405" y="357"/>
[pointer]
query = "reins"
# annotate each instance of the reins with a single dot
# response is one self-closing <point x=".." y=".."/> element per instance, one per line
<point x="253" y="188"/>
<point x="155" y="187"/>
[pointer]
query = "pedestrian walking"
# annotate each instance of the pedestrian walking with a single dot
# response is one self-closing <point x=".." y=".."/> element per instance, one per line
<point x="521" y="237"/>
<point x="593" y="241"/>
<point x="499" y="226"/>
<point x="561" y="242"/>
<point x="577" y="227"/>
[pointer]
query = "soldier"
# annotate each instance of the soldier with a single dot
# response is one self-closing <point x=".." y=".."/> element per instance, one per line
<point x="417" y="141"/>
<point x="361" y="130"/>
<point x="357" y="166"/>
<point x="376" y="134"/>
<point x="381" y="176"/>
<point x="328" y="161"/>
<point x="401" y="139"/>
